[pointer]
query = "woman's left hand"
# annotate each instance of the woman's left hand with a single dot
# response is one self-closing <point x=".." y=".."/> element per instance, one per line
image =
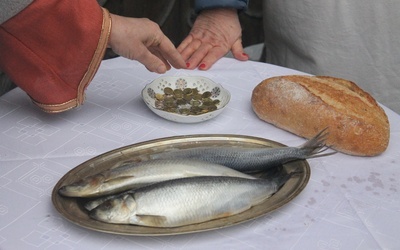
<point x="214" y="33"/>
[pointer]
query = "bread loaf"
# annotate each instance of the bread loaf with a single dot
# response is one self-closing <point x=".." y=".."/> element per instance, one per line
<point x="304" y="105"/>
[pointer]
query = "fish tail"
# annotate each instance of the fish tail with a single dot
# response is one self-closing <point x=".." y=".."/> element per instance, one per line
<point x="315" y="146"/>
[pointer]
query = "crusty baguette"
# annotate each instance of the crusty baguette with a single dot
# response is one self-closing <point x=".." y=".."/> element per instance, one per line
<point x="304" y="105"/>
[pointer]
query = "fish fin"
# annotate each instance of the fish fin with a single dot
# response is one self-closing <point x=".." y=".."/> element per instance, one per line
<point x="316" y="145"/>
<point x="152" y="220"/>
<point x="318" y="154"/>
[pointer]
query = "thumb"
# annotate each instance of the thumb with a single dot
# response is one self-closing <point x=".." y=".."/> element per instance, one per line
<point x="238" y="51"/>
<point x="154" y="62"/>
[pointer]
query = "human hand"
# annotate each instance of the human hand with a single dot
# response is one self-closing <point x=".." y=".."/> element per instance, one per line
<point x="142" y="40"/>
<point x="215" y="32"/>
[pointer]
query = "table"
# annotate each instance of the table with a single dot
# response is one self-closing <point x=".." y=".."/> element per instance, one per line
<point x="349" y="203"/>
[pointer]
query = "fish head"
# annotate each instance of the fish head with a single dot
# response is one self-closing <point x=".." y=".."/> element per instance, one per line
<point x="85" y="187"/>
<point x="118" y="210"/>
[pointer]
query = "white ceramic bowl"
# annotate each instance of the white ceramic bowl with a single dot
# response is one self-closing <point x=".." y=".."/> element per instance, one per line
<point x="202" y="84"/>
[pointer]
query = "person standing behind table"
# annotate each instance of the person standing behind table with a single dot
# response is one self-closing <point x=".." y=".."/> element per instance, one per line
<point x="52" y="49"/>
<point x="358" y="40"/>
<point x="215" y="32"/>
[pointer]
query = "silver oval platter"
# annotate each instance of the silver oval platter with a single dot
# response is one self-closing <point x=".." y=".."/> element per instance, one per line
<point x="72" y="209"/>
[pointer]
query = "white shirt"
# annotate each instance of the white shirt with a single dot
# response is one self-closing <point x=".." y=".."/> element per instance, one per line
<point x="358" y="40"/>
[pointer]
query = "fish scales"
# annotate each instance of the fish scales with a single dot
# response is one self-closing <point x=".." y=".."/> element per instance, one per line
<point x="250" y="160"/>
<point x="187" y="201"/>
<point x="134" y="175"/>
<point x="242" y="159"/>
<point x="193" y="162"/>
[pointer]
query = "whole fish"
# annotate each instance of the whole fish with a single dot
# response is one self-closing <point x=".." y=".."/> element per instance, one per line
<point x="186" y="201"/>
<point x="92" y="203"/>
<point x="134" y="175"/>
<point x="250" y="160"/>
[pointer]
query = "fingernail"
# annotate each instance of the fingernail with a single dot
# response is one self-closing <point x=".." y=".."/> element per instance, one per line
<point x="202" y="66"/>
<point x="187" y="65"/>
<point x="245" y="54"/>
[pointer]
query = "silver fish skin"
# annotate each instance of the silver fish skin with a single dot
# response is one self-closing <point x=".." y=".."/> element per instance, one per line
<point x="250" y="160"/>
<point x="93" y="203"/>
<point x="134" y="175"/>
<point x="187" y="201"/>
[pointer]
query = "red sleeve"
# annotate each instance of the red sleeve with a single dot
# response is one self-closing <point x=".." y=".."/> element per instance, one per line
<point x="52" y="50"/>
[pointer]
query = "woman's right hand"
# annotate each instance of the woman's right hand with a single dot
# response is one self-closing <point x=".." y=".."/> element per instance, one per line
<point x="142" y="40"/>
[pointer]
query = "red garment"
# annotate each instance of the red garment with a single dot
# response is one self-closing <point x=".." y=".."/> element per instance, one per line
<point x="52" y="50"/>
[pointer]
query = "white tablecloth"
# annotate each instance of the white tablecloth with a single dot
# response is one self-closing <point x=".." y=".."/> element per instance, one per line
<point x="349" y="203"/>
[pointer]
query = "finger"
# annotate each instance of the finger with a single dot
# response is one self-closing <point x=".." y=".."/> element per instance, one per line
<point x="190" y="49"/>
<point x="185" y="43"/>
<point x="171" y="54"/>
<point x="238" y="51"/>
<point x="205" y="62"/>
<point x="160" y="56"/>
<point x="150" y="61"/>
<point x="198" y="55"/>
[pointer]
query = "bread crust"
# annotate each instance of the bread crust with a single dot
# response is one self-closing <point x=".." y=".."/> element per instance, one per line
<point x="304" y="105"/>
